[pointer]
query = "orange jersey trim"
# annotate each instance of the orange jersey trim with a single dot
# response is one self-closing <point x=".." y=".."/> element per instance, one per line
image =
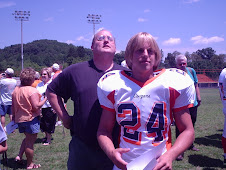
<point x="182" y="108"/>
<point x="106" y="108"/>
<point x="141" y="84"/>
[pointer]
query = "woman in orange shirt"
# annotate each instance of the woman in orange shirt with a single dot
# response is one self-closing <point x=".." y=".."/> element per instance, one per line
<point x="26" y="107"/>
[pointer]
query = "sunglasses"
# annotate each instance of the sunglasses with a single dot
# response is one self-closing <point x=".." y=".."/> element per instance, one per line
<point x="182" y="64"/>
<point x="102" y="37"/>
<point x="44" y="74"/>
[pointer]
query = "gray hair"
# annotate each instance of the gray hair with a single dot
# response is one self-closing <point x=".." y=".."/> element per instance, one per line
<point x="37" y="75"/>
<point x="180" y="57"/>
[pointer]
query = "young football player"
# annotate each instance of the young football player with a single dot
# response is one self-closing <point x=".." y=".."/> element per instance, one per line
<point x="144" y="102"/>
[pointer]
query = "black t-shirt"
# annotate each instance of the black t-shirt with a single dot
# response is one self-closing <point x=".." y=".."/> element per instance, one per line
<point x="79" y="82"/>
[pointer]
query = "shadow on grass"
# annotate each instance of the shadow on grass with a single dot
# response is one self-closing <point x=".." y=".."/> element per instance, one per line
<point x="38" y="140"/>
<point x="204" y="161"/>
<point x="212" y="140"/>
<point x="14" y="165"/>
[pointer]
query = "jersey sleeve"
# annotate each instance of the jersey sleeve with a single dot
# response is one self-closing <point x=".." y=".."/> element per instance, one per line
<point x="186" y="97"/>
<point x="106" y="93"/>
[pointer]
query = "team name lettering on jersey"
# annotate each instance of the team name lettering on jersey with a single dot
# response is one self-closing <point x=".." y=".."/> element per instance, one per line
<point x="107" y="75"/>
<point x="142" y="96"/>
<point x="177" y="71"/>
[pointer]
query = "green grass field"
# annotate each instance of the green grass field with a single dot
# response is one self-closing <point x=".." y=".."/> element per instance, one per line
<point x="208" y="130"/>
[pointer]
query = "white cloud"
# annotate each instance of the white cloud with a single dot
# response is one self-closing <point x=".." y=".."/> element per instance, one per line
<point x="7" y="4"/>
<point x="82" y="38"/>
<point x="49" y="19"/>
<point x="142" y="20"/>
<point x="191" y="1"/>
<point x="172" y="41"/>
<point x="147" y="10"/>
<point x="204" y="40"/>
<point x="70" y="42"/>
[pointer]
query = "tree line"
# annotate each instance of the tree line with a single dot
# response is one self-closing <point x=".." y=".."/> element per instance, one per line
<point x="43" y="53"/>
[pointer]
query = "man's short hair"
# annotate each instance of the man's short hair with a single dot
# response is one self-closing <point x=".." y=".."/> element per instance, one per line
<point x="56" y="66"/>
<point x="94" y="37"/>
<point x="180" y="57"/>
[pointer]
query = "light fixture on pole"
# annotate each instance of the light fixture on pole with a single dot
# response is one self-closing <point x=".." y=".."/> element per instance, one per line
<point x="22" y="16"/>
<point x="94" y="19"/>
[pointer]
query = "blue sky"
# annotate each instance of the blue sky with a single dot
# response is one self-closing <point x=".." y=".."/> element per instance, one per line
<point x="182" y="25"/>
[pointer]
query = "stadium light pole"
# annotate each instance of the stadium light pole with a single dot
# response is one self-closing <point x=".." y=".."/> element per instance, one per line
<point x="22" y="16"/>
<point x="94" y="19"/>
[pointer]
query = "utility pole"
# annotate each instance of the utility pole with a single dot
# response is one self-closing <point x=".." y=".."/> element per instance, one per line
<point x="94" y="19"/>
<point x="22" y="16"/>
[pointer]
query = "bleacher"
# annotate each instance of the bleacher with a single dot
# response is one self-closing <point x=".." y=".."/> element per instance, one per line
<point x="204" y="81"/>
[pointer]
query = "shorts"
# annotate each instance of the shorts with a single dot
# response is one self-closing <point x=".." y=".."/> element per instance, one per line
<point x="48" y="120"/>
<point x="5" y="109"/>
<point x="31" y="127"/>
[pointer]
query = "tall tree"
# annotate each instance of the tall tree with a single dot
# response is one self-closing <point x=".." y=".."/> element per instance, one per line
<point x="206" y="53"/>
<point x="170" y="59"/>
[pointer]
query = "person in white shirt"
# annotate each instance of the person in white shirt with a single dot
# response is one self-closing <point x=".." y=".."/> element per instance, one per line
<point x="7" y="85"/>
<point x="222" y="90"/>
<point x="48" y="119"/>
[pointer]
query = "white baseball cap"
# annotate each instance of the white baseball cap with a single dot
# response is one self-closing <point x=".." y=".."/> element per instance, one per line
<point x="56" y="66"/>
<point x="9" y="71"/>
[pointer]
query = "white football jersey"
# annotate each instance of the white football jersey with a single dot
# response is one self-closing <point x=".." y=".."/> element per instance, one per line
<point x="222" y="86"/>
<point x="144" y="110"/>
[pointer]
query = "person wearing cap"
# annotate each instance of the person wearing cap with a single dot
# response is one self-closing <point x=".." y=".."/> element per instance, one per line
<point x="78" y="82"/>
<point x="7" y="85"/>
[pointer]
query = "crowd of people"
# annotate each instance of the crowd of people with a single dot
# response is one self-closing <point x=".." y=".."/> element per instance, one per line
<point x="27" y="106"/>
<point x="120" y="112"/>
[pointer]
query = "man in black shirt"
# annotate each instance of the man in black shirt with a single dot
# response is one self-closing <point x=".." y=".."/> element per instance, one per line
<point x="79" y="82"/>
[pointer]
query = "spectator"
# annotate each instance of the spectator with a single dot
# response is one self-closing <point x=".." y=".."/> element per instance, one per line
<point x="56" y="71"/>
<point x="7" y="85"/>
<point x="48" y="119"/>
<point x="123" y="63"/>
<point x="142" y="101"/>
<point x="181" y="63"/>
<point x="37" y="79"/>
<point x="222" y="90"/>
<point x="26" y="107"/>
<point x="79" y="82"/>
